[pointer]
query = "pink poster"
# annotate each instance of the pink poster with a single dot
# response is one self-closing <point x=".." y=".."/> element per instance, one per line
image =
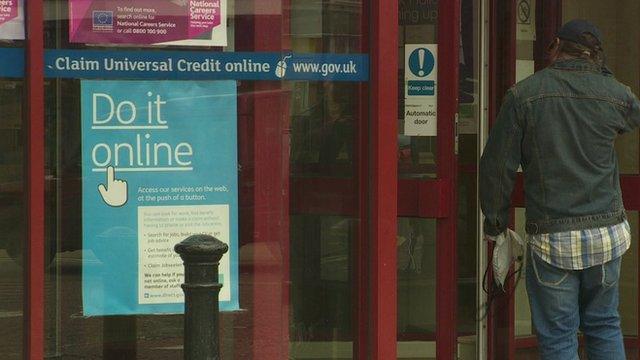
<point x="11" y="20"/>
<point x="180" y="22"/>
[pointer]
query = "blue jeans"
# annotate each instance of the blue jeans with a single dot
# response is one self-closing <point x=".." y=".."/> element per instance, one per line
<point x="563" y="301"/>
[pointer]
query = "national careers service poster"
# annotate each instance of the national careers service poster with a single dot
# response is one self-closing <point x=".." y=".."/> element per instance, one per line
<point x="177" y="22"/>
<point x="12" y="19"/>
<point x="159" y="163"/>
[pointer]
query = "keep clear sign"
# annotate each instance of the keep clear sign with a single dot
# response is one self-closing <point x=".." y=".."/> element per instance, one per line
<point x="420" y="96"/>
<point x="159" y="163"/>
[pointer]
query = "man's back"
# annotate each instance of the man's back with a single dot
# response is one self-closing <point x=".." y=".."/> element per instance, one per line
<point x="571" y="114"/>
<point x="565" y="119"/>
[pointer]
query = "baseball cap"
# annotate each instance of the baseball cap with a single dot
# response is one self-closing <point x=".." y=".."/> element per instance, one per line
<point x="573" y="30"/>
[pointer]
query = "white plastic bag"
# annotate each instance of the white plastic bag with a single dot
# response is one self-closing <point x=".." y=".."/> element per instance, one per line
<point x="508" y="247"/>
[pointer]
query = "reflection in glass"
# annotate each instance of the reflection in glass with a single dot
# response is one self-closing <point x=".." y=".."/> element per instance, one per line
<point x="12" y="218"/>
<point x="623" y="58"/>
<point x="325" y="123"/>
<point x="321" y="283"/>
<point x="416" y="287"/>
<point x="323" y="128"/>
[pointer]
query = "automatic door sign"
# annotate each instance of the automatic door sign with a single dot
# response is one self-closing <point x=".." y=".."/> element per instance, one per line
<point x="420" y="105"/>
<point x="158" y="164"/>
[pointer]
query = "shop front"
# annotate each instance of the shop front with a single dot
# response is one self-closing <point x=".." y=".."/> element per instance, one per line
<point x="332" y="144"/>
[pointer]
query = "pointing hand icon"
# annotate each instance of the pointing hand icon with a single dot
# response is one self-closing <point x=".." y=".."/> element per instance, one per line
<point x="115" y="193"/>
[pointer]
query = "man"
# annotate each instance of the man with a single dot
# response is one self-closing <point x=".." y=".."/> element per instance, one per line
<point x="559" y="125"/>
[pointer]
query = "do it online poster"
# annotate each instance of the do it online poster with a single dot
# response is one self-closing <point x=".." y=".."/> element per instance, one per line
<point x="159" y="164"/>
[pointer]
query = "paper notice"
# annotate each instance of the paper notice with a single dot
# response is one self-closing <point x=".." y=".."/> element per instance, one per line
<point x="160" y="228"/>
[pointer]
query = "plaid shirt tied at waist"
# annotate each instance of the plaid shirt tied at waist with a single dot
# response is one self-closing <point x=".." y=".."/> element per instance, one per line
<point x="581" y="249"/>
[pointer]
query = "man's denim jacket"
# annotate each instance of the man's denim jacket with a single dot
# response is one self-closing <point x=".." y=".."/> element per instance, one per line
<point x="559" y="125"/>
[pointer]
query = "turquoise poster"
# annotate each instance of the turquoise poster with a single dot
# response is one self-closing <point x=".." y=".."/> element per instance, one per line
<point x="159" y="163"/>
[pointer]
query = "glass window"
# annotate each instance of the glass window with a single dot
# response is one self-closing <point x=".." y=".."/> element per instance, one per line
<point x="12" y="215"/>
<point x="299" y="202"/>
<point x="12" y="183"/>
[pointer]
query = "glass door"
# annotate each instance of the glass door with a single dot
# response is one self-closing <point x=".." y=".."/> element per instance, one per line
<point x="440" y="61"/>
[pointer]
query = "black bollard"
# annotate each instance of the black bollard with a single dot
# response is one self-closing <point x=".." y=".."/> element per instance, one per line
<point x="201" y="255"/>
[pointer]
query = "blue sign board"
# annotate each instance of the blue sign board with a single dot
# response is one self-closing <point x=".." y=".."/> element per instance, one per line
<point x="190" y="65"/>
<point x="194" y="65"/>
<point x="159" y="163"/>
<point x="11" y="62"/>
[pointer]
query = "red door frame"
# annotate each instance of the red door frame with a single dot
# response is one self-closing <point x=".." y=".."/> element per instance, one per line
<point x="447" y="170"/>
<point x="362" y="247"/>
<point x="502" y="73"/>
<point x="383" y="193"/>
<point x="33" y="325"/>
<point x="264" y="154"/>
